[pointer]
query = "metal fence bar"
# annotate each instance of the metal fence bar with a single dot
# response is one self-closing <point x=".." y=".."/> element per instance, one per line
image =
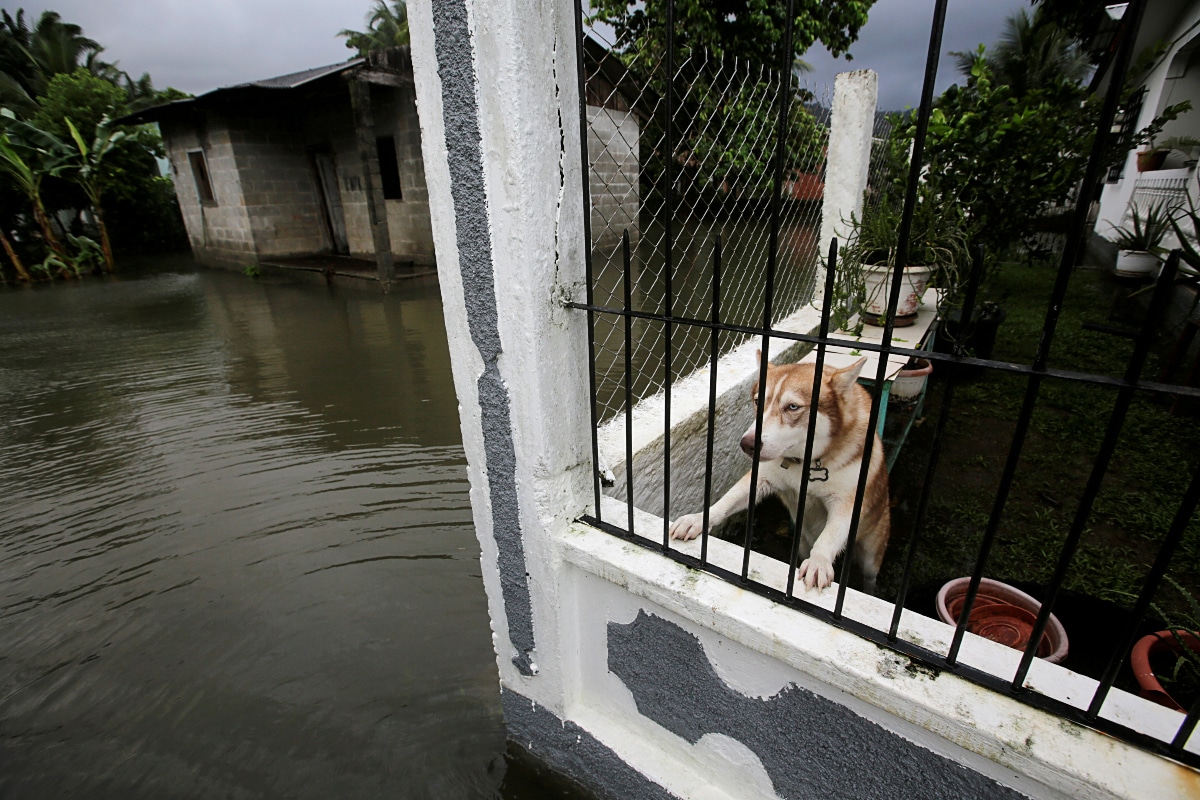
<point x="889" y="323"/>
<point x="1151" y="387"/>
<point x="802" y="498"/>
<point x="935" y="449"/>
<point x="627" y="271"/>
<point x="668" y="179"/>
<point x="1126" y="386"/>
<point x="1185" y="730"/>
<point x="712" y="396"/>
<point x="587" y="250"/>
<point x="785" y="85"/>
<point x="1108" y="446"/>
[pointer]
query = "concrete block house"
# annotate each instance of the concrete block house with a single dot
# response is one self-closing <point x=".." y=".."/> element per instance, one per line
<point x="321" y="162"/>
<point x="322" y="169"/>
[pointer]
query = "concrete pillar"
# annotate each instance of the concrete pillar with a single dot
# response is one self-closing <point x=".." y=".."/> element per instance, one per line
<point x="497" y="97"/>
<point x="364" y="132"/>
<point x="849" y="156"/>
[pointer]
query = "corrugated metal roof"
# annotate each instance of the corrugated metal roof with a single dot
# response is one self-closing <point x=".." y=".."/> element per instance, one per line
<point x="293" y="79"/>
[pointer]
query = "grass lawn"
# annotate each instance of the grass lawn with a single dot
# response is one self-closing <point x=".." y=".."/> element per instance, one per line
<point x="1142" y="488"/>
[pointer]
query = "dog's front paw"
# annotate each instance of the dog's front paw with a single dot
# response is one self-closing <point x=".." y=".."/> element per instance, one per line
<point x="687" y="527"/>
<point x="816" y="572"/>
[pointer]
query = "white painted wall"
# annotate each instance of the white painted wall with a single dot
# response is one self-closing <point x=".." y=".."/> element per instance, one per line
<point x="1169" y="82"/>
<point x="526" y="93"/>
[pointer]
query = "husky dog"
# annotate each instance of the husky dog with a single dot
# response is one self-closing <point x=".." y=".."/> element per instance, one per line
<point x="843" y="413"/>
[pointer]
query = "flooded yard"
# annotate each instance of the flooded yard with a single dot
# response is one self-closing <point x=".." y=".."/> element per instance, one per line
<point x="236" y="549"/>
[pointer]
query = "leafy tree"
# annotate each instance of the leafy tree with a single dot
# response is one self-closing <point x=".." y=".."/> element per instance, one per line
<point x="750" y="30"/>
<point x="387" y="26"/>
<point x="52" y="76"/>
<point x="726" y="56"/>
<point x="88" y="172"/>
<point x="83" y="97"/>
<point x="1033" y="53"/>
<point x="28" y="156"/>
<point x="1003" y="157"/>
<point x="30" y="58"/>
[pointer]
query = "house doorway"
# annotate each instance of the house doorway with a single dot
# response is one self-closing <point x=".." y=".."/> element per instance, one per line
<point x="325" y="170"/>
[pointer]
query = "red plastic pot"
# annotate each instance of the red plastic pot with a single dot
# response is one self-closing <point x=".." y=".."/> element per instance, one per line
<point x="1003" y="614"/>
<point x="1152" y="645"/>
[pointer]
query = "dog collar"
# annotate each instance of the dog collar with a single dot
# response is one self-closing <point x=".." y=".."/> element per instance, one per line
<point x="815" y="473"/>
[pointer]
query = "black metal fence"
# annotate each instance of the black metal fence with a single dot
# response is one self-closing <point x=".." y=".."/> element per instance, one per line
<point x="1034" y="374"/>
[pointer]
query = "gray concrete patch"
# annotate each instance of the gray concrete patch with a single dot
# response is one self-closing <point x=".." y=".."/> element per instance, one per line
<point x="810" y="747"/>
<point x="452" y="44"/>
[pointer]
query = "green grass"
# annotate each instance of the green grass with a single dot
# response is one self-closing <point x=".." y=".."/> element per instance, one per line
<point x="1140" y="494"/>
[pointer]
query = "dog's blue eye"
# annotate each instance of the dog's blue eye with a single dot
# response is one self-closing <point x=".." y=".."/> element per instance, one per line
<point x="793" y="407"/>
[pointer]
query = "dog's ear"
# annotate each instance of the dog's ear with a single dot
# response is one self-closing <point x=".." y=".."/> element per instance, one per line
<point x="843" y="380"/>
<point x="758" y="360"/>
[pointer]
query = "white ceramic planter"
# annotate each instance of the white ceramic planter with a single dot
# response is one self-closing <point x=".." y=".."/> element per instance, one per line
<point x="878" y="280"/>
<point x="909" y="383"/>
<point x="1136" y="262"/>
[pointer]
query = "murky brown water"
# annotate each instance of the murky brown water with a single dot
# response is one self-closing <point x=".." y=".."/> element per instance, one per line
<point x="236" y="550"/>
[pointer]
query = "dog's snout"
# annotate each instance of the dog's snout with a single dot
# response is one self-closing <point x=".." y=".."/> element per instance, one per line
<point x="748" y="444"/>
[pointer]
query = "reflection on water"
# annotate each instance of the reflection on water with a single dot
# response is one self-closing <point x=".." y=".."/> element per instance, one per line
<point x="236" y="550"/>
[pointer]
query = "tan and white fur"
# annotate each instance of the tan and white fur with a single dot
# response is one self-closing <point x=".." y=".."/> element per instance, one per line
<point x="843" y="415"/>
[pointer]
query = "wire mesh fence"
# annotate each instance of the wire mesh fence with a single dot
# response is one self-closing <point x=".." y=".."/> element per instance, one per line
<point x="719" y="165"/>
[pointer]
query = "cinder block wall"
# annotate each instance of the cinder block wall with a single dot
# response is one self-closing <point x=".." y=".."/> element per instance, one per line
<point x="278" y="186"/>
<point x="613" y="144"/>
<point x="267" y="203"/>
<point x="408" y="219"/>
<point x="219" y="232"/>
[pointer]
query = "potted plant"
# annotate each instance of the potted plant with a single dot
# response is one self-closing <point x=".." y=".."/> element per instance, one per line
<point x="1152" y="155"/>
<point x="1166" y="663"/>
<point x="937" y="248"/>
<point x="909" y="382"/>
<point x="1140" y="242"/>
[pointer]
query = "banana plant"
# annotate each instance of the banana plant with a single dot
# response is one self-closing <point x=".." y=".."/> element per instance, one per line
<point x="87" y="173"/>
<point x="28" y="155"/>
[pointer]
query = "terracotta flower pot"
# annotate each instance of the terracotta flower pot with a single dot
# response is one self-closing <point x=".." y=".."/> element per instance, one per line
<point x="1149" y="161"/>
<point x="1002" y="614"/>
<point x="1139" y="659"/>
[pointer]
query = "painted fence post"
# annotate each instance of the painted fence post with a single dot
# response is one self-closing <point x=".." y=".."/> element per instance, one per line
<point x="849" y="157"/>
<point x="496" y="92"/>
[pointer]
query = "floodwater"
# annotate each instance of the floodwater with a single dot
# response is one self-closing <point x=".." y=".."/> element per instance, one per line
<point x="236" y="549"/>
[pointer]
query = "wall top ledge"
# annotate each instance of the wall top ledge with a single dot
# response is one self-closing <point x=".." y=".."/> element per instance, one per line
<point x="1055" y="753"/>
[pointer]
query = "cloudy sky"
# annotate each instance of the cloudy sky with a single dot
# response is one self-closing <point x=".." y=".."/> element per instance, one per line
<point x="198" y="45"/>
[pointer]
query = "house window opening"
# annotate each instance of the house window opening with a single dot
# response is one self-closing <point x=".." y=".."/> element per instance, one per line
<point x="389" y="168"/>
<point x="199" y="166"/>
<point x="646" y="335"/>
